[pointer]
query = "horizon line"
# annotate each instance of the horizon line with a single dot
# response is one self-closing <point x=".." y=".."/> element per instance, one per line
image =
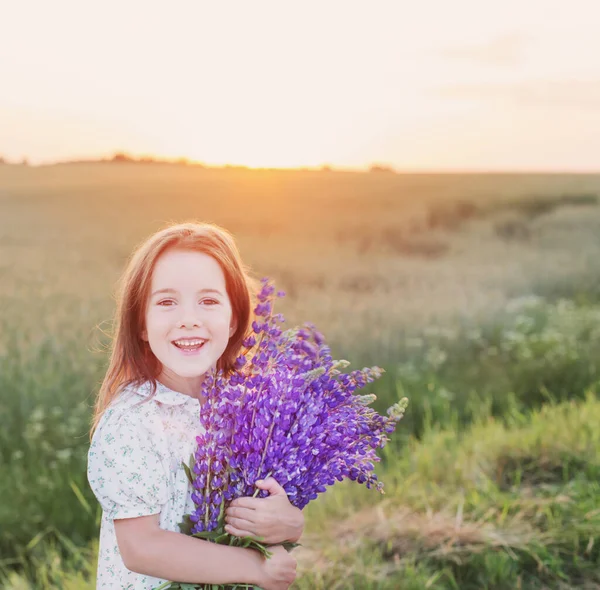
<point x="124" y="158"/>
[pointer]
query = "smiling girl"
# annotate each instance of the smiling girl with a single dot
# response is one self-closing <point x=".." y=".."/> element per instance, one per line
<point x="183" y="308"/>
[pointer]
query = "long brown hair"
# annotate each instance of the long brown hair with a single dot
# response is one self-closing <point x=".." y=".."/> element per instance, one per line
<point x="131" y="360"/>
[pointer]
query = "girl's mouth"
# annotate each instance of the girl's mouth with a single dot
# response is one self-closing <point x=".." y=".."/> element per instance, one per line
<point x="189" y="346"/>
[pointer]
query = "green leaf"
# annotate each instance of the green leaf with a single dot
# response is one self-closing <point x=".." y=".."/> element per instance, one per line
<point x="209" y="535"/>
<point x="188" y="471"/>
<point x="251" y="543"/>
<point x="187" y="525"/>
<point x="257" y="538"/>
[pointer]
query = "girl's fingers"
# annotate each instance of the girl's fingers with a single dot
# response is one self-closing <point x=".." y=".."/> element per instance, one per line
<point x="241" y="525"/>
<point x="246" y="502"/>
<point x="244" y="513"/>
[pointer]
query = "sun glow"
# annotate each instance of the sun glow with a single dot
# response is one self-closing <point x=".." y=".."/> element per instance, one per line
<point x="269" y="84"/>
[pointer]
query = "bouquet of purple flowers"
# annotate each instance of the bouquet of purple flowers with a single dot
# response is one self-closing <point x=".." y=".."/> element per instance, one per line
<point x="288" y="412"/>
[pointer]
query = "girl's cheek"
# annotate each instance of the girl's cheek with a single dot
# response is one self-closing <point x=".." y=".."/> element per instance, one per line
<point x="224" y="323"/>
<point x="159" y="321"/>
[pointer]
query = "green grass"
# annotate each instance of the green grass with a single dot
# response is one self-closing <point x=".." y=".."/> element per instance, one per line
<point x="531" y="353"/>
<point x="45" y="411"/>
<point x="499" y="470"/>
<point x="497" y="506"/>
<point x="482" y="509"/>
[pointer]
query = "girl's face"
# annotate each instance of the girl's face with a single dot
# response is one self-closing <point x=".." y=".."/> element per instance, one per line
<point x="188" y="318"/>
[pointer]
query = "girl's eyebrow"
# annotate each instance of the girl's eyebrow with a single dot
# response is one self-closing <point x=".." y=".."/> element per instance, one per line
<point x="174" y="291"/>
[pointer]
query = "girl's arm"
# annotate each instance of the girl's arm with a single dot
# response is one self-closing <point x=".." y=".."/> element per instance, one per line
<point x="148" y="549"/>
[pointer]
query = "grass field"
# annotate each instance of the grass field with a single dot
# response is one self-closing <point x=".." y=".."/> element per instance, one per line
<point x="479" y="295"/>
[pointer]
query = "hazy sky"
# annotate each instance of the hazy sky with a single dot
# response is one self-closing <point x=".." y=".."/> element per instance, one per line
<point x="427" y="84"/>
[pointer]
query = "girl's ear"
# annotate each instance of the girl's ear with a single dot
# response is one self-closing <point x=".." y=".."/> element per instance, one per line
<point x="232" y="328"/>
<point x="144" y="335"/>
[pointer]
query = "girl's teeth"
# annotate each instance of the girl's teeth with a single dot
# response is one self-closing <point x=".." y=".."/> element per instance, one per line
<point x="189" y="343"/>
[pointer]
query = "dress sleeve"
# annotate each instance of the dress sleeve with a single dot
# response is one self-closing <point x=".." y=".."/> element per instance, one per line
<point x="126" y="467"/>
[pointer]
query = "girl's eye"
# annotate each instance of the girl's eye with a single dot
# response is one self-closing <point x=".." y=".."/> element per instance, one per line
<point x="169" y="302"/>
<point x="209" y="301"/>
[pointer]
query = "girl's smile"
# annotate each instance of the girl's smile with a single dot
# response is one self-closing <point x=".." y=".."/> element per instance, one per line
<point x="189" y="343"/>
<point x="189" y="346"/>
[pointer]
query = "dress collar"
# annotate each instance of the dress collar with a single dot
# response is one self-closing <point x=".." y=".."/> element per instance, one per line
<point x="164" y="395"/>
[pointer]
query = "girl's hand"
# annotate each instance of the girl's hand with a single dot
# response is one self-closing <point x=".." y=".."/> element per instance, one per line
<point x="278" y="571"/>
<point x="273" y="518"/>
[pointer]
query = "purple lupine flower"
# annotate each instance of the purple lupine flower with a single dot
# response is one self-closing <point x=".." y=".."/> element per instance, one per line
<point x="287" y="411"/>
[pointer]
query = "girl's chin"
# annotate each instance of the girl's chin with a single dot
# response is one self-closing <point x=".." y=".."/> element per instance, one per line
<point x="186" y="372"/>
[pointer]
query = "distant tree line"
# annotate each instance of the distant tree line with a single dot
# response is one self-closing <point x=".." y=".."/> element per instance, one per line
<point x="381" y="168"/>
<point x="23" y="162"/>
<point x="125" y="158"/>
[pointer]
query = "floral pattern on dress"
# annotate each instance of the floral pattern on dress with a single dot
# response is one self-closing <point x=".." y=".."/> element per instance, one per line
<point x="135" y="469"/>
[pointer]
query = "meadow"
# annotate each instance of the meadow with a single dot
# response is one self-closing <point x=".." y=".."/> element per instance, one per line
<point x="478" y="294"/>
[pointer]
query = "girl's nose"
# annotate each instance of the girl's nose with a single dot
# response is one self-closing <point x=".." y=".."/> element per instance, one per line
<point x="189" y="323"/>
<point x="190" y="319"/>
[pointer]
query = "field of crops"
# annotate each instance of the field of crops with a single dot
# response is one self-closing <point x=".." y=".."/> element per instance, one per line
<point x="478" y="294"/>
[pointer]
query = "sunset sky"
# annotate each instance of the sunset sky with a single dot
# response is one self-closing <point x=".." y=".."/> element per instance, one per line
<point x="427" y="85"/>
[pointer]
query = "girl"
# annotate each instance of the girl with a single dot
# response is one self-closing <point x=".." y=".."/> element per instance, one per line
<point x="184" y="307"/>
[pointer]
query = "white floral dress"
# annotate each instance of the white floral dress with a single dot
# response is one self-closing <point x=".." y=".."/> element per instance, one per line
<point x="135" y="469"/>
